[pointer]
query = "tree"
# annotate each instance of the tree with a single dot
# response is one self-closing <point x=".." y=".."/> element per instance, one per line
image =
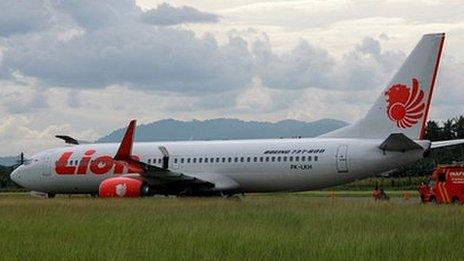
<point x="433" y="131"/>
<point x="458" y="127"/>
<point x="448" y="130"/>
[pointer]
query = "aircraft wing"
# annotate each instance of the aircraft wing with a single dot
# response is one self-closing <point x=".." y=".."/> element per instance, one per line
<point x="153" y="174"/>
<point x="446" y="143"/>
<point x="160" y="176"/>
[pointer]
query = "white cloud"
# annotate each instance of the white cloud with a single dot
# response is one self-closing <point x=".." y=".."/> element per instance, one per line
<point x="18" y="134"/>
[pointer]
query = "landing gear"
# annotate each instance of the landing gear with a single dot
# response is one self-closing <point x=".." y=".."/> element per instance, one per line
<point x="51" y="195"/>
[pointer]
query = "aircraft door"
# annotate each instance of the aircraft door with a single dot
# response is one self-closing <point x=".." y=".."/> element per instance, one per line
<point x="342" y="158"/>
<point x="165" y="153"/>
<point x="46" y="171"/>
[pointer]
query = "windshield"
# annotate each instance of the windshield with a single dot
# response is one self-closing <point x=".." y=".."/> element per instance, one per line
<point x="431" y="183"/>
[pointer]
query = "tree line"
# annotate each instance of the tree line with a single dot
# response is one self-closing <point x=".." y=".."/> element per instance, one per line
<point x="450" y="129"/>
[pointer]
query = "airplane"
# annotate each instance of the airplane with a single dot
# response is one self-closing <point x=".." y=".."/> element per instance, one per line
<point x="391" y="135"/>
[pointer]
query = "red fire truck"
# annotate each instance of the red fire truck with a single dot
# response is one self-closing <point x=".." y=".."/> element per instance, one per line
<point x="446" y="185"/>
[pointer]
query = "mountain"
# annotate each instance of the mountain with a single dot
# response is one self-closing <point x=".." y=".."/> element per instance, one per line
<point x="225" y="129"/>
<point x="9" y="160"/>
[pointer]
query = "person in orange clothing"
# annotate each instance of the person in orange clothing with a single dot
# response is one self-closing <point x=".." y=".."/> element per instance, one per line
<point x="376" y="193"/>
<point x="423" y="190"/>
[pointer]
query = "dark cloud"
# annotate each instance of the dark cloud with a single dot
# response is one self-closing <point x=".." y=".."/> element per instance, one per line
<point x="115" y="47"/>
<point x="166" y="15"/>
<point x="94" y="44"/>
<point x="389" y="60"/>
<point x="304" y="66"/>
<point x="22" y="16"/>
<point x="90" y="14"/>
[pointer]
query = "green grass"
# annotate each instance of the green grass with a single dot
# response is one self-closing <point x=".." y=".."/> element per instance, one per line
<point x="277" y="226"/>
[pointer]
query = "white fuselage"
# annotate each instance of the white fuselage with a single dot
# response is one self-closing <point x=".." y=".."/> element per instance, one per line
<point x="239" y="165"/>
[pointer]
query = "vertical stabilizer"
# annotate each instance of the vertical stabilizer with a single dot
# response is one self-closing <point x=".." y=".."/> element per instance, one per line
<point x="404" y="104"/>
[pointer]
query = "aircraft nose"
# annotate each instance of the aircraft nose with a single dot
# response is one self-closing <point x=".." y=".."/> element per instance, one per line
<point x="15" y="176"/>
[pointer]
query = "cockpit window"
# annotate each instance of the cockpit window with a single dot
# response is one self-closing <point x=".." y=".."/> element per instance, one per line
<point x="27" y="161"/>
<point x="431" y="183"/>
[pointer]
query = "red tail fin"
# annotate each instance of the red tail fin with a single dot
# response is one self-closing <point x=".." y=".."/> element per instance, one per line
<point x="125" y="149"/>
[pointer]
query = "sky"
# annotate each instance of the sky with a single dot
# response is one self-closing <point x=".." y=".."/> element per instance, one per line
<point x="85" y="68"/>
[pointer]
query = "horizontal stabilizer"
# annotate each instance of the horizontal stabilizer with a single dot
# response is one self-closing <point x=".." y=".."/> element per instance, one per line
<point x="446" y="143"/>
<point x="399" y="142"/>
<point x="70" y="140"/>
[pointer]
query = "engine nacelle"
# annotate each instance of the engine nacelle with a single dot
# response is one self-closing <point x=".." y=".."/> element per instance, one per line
<point x="122" y="187"/>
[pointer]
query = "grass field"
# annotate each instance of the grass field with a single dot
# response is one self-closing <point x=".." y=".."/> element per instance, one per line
<point x="279" y="226"/>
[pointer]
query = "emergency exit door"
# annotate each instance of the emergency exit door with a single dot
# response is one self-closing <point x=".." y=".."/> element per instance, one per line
<point x="342" y="158"/>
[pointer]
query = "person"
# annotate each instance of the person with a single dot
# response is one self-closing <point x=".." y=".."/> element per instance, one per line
<point x="383" y="195"/>
<point x="376" y="193"/>
<point x="423" y="190"/>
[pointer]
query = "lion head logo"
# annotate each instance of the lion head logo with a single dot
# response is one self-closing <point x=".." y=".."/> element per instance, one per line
<point x="405" y="105"/>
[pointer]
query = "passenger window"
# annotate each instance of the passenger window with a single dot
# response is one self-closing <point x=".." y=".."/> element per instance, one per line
<point x="278" y="159"/>
<point x="309" y="158"/>
<point x="182" y="160"/>
<point x="211" y="160"/>
<point x="217" y="160"/>
<point x="261" y="159"/>
<point x="175" y="160"/>
<point x="159" y="161"/>
<point x="290" y="158"/>
<point x="149" y="161"/>
<point x="230" y="159"/>
<point x="255" y="159"/>
<point x="200" y="160"/>
<point x="194" y="160"/>
<point x="316" y="158"/>
<point x="303" y="158"/>
<point x="206" y="160"/>
<point x="267" y="159"/>
<point x="223" y="160"/>
<point x="241" y="159"/>
<point x="285" y="158"/>
<point x="297" y="158"/>
<point x="248" y="159"/>
<point x="273" y="159"/>
<point x="236" y="159"/>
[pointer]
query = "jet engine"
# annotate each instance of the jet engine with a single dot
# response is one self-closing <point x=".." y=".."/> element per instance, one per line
<point x="123" y="187"/>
